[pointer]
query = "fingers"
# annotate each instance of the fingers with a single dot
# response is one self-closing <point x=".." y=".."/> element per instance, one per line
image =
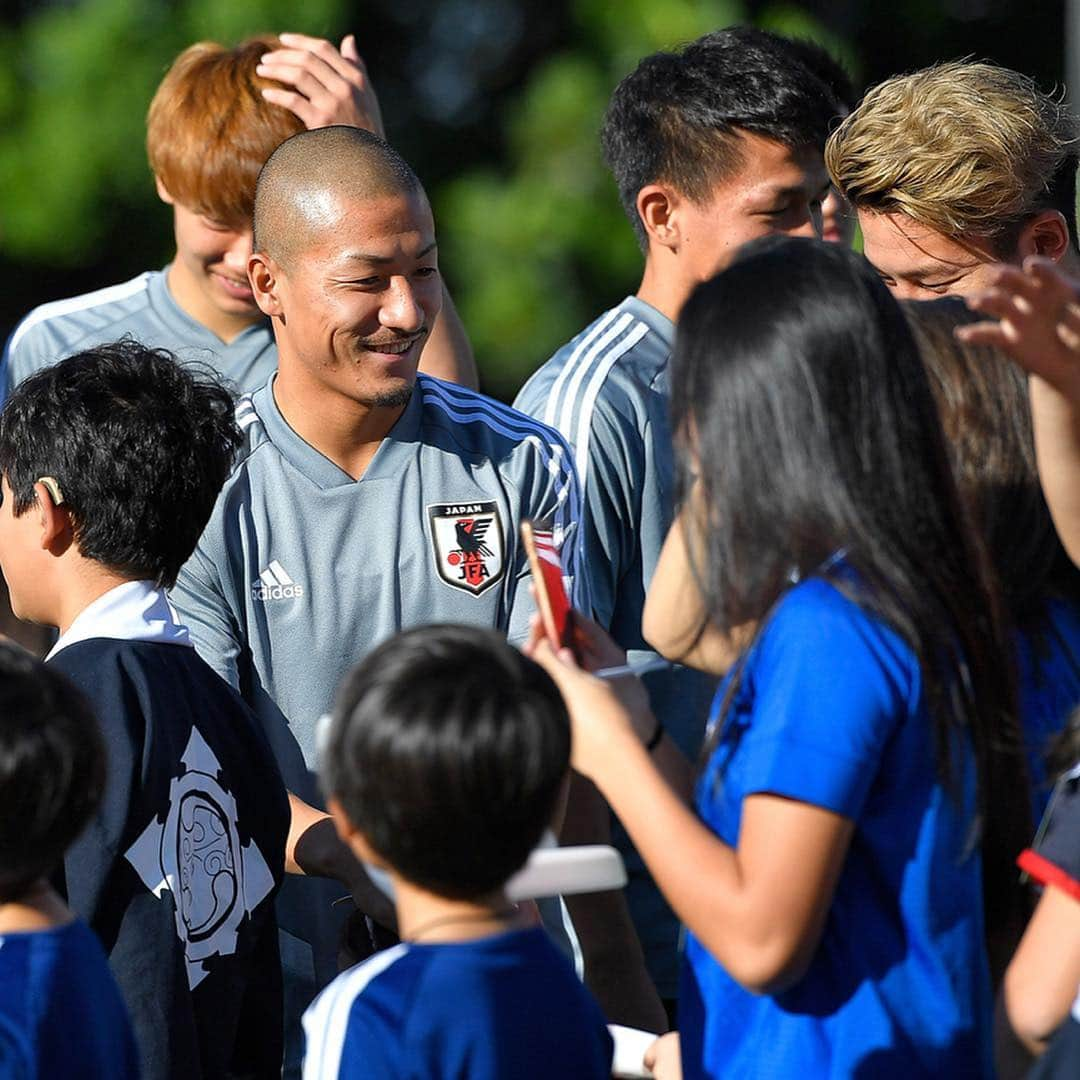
<point x="321" y="85"/>
<point x="991" y="334"/>
<point x="1000" y="304"/>
<point x="349" y="49"/>
<point x="536" y="634"/>
<point x="323" y="50"/>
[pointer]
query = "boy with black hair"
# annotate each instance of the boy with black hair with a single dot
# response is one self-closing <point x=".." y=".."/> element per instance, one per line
<point x="444" y="760"/>
<point x="710" y="145"/>
<point x="60" y="1011"/>
<point x="110" y="462"/>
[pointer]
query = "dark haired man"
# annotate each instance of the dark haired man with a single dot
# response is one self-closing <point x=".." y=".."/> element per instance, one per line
<point x="711" y="146"/>
<point x="110" y="462"/>
<point x="367" y="498"/>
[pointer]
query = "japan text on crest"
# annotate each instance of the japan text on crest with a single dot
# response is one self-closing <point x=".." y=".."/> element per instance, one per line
<point x="469" y="546"/>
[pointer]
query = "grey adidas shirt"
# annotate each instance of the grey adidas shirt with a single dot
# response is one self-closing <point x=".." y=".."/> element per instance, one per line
<point x="302" y="570"/>
<point x="144" y="309"/>
<point x="606" y="391"/>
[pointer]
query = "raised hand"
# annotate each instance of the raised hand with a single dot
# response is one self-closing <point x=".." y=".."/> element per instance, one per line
<point x="329" y="85"/>
<point x="1038" y="321"/>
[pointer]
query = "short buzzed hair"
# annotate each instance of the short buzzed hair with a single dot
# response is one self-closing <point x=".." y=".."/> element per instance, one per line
<point x="964" y="148"/>
<point x="342" y="161"/>
<point x="209" y="130"/>
<point x="677" y="116"/>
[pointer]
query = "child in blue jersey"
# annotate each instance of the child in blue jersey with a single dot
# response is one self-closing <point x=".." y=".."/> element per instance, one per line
<point x="60" y="1011"/>
<point x="444" y="761"/>
<point x="826" y="862"/>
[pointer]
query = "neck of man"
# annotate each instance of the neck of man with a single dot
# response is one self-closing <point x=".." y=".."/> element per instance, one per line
<point x="192" y="301"/>
<point x="78" y="582"/>
<point x="426" y="918"/>
<point x="346" y="431"/>
<point x="663" y="286"/>
<point x="39" y="908"/>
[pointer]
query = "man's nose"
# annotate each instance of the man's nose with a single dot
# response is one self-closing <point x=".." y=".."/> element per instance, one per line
<point x="238" y="252"/>
<point x="400" y="309"/>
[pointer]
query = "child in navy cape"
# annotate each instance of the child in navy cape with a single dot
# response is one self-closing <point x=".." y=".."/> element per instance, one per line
<point x="111" y="461"/>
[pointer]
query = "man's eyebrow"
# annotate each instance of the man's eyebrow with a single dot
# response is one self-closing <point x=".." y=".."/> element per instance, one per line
<point x="379" y="260"/>
<point x="813" y="184"/>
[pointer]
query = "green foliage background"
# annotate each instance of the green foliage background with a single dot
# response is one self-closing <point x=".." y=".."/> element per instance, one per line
<point x="496" y="103"/>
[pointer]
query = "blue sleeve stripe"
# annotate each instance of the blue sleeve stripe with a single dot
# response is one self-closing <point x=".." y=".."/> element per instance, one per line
<point x="554" y="453"/>
<point x="327" y="1019"/>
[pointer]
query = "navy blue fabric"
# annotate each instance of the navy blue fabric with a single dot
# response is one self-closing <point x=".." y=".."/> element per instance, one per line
<point x="61" y="1014"/>
<point x="1048" y="667"/>
<point x="831" y="712"/>
<point x="491" y="1009"/>
<point x="193" y="791"/>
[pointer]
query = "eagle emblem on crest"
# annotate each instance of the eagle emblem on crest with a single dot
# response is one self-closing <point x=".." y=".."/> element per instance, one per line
<point x="468" y="544"/>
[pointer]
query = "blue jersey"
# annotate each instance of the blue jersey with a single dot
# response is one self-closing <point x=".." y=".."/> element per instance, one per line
<point x="490" y="1009"/>
<point x="831" y="711"/>
<point x="60" y="1011"/>
<point x="1048" y="668"/>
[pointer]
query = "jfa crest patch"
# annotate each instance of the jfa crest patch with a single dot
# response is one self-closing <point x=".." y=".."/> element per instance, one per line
<point x="470" y="551"/>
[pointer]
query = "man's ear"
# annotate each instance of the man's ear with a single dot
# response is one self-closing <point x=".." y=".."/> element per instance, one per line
<point x="352" y="837"/>
<point x="265" y="276"/>
<point x="657" y="207"/>
<point x="163" y="191"/>
<point x="55" y="521"/>
<point x="1046" y="234"/>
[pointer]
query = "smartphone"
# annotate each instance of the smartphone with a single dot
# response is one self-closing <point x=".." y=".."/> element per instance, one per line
<point x="545" y="566"/>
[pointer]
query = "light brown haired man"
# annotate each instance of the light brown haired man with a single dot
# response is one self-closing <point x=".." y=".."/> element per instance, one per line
<point x="953" y="169"/>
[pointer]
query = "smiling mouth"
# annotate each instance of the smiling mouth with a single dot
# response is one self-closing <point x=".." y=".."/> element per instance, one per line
<point x="397" y="347"/>
<point x="236" y="286"/>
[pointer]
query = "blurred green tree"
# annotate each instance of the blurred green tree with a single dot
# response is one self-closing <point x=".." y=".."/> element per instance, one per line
<point x="74" y="86"/>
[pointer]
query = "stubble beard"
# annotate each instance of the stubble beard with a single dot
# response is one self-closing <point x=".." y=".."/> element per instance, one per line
<point x="393" y="399"/>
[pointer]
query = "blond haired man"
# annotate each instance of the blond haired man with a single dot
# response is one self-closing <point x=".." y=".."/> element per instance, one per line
<point x="953" y="169"/>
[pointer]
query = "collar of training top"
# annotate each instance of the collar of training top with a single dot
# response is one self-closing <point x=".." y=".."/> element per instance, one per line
<point x="133" y="611"/>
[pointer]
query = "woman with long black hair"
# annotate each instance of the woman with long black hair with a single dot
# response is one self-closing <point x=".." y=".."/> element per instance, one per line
<point x="865" y="738"/>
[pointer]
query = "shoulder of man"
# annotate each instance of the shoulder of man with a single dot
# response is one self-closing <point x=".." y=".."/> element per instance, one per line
<point x="466" y="422"/>
<point x="65" y="324"/>
<point x="616" y="366"/>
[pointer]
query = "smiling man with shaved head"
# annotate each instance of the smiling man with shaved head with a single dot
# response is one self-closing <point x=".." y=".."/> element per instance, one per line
<point x="368" y="498"/>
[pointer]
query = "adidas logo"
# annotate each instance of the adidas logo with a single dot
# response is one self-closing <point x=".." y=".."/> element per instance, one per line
<point x="275" y="584"/>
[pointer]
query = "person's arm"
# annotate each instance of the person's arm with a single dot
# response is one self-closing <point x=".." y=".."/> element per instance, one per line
<point x="758" y="908"/>
<point x="675" y="621"/>
<point x="1043" y="979"/>
<point x="447" y="353"/>
<point x="324" y="85"/>
<point x="613" y="959"/>
<point x="314" y="848"/>
<point x="1038" y="323"/>
<point x="205" y="611"/>
<point x="596" y="649"/>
